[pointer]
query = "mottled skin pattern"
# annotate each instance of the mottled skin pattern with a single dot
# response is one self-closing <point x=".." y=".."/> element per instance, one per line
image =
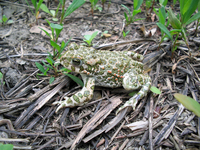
<point x="104" y="68"/>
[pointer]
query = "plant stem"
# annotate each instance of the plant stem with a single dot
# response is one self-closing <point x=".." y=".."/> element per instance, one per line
<point x="152" y="7"/>
<point x="63" y="12"/>
<point x="174" y="44"/>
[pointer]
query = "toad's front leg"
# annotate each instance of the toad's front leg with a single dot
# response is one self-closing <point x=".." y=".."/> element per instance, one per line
<point x="133" y="82"/>
<point x="80" y="97"/>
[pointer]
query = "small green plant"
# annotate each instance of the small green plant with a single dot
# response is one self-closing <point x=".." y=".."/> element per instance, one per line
<point x="125" y="33"/>
<point x="163" y="2"/>
<point x="88" y="38"/>
<point x="74" y="5"/>
<point x="6" y="146"/>
<point x="188" y="103"/>
<point x="178" y="23"/>
<point x="53" y="13"/>
<point x="174" y="2"/>
<point x="5" y="20"/>
<point x="148" y="5"/>
<point x="103" y="2"/>
<point x="105" y="32"/>
<point x="37" y="7"/>
<point x="50" y="67"/>
<point x="109" y="4"/>
<point x="130" y="18"/>
<point x="162" y="15"/>
<point x="56" y="29"/>
<point x="94" y="6"/>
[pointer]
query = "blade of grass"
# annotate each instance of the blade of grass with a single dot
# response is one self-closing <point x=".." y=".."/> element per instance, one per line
<point x="165" y="30"/>
<point x="188" y="103"/>
<point x="75" y="4"/>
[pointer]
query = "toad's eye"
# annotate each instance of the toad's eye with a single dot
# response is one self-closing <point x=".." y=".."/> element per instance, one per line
<point x="76" y="62"/>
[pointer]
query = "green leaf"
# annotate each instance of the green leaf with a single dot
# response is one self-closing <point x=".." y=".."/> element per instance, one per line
<point x="135" y="12"/>
<point x="38" y="5"/>
<point x="1" y="21"/>
<point x="55" y="19"/>
<point x="95" y="2"/>
<point x="188" y="103"/>
<point x="51" y="80"/>
<point x="164" y="29"/>
<point x="45" y="73"/>
<point x="174" y="2"/>
<point x="94" y="35"/>
<point x="40" y="67"/>
<point x="50" y="55"/>
<point x="163" y="2"/>
<point x="137" y="4"/>
<point x="48" y="66"/>
<point x="132" y="93"/>
<point x="124" y="34"/>
<point x="10" y="21"/>
<point x="129" y="12"/>
<point x="55" y="45"/>
<point x="198" y="6"/>
<point x="148" y="3"/>
<point x="89" y="38"/>
<point x="50" y="61"/>
<point x="1" y="75"/>
<point x="193" y="18"/>
<point x="56" y="26"/>
<point x="6" y="146"/>
<point x="163" y="12"/>
<point x="138" y="19"/>
<point x="76" y="79"/>
<point x="176" y="24"/>
<point x="34" y="2"/>
<point x="4" y="18"/>
<point x="65" y="70"/>
<point x="53" y="12"/>
<point x="188" y="9"/>
<point x="155" y="90"/>
<point x="155" y="10"/>
<point x="65" y="44"/>
<point x="75" y="4"/>
<point x="126" y="17"/>
<point x="44" y="8"/>
<point x="46" y="32"/>
<point x="161" y="19"/>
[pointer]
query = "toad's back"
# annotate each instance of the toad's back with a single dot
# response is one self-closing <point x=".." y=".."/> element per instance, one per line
<point x="108" y="67"/>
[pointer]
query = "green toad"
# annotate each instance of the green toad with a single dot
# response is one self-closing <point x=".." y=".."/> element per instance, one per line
<point x="104" y="68"/>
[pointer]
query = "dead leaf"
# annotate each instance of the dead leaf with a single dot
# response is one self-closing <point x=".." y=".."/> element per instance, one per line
<point x="36" y="29"/>
<point x="153" y="31"/>
<point x="153" y="17"/>
<point x="174" y="67"/>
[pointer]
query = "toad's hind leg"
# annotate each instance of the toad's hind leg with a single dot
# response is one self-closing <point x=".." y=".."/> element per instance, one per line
<point x="80" y="97"/>
<point x="133" y="83"/>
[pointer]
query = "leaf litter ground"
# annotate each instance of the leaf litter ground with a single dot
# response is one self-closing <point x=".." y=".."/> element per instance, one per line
<point x="29" y="120"/>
